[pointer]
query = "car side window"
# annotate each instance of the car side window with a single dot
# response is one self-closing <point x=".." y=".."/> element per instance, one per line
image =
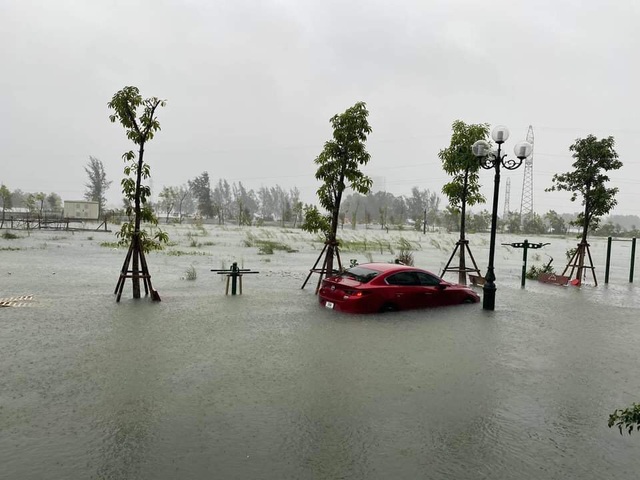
<point x="428" y="280"/>
<point x="403" y="278"/>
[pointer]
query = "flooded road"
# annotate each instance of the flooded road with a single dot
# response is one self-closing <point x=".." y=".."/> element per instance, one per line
<point x="268" y="385"/>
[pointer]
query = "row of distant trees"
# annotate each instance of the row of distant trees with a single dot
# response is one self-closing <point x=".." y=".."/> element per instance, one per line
<point x="233" y="203"/>
<point x="38" y="202"/>
<point x="230" y="202"/>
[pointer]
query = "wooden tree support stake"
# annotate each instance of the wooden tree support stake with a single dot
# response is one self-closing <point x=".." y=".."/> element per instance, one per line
<point x="324" y="269"/>
<point x="577" y="262"/>
<point x="462" y="268"/>
<point x="139" y="270"/>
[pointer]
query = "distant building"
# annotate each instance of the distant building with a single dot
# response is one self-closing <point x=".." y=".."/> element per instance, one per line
<point x="81" y="209"/>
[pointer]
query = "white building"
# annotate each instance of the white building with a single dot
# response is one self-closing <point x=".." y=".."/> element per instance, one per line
<point x="81" y="209"/>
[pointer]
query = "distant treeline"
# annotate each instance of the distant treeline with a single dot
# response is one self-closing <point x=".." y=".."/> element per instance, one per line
<point x="232" y="203"/>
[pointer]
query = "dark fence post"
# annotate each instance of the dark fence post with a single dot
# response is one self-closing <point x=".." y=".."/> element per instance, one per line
<point x="633" y="259"/>
<point x="608" y="262"/>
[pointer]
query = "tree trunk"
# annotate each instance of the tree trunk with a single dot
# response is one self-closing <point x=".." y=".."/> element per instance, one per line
<point x="137" y="246"/>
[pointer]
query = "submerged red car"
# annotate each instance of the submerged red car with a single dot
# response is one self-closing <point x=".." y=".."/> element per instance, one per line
<point x="387" y="287"/>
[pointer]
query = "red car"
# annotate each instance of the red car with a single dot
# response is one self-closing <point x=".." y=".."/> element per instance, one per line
<point x="387" y="287"/>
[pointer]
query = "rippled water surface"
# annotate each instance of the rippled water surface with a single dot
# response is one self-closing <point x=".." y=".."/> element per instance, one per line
<point x="268" y="385"/>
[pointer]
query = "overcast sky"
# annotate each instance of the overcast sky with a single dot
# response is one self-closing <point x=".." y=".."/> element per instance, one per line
<point x="251" y="86"/>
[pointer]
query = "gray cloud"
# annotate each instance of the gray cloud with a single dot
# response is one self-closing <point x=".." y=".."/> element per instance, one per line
<point x="251" y="86"/>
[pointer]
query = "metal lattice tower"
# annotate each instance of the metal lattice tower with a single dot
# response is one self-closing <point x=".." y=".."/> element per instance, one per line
<point x="526" y="204"/>
<point x="507" y="195"/>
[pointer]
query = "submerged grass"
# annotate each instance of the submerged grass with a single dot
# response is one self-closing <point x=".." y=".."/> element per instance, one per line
<point x="266" y="247"/>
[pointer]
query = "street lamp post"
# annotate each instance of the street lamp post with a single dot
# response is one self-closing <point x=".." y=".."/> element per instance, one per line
<point x="489" y="159"/>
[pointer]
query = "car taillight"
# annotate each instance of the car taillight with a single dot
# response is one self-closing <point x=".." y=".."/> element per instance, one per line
<point x="355" y="293"/>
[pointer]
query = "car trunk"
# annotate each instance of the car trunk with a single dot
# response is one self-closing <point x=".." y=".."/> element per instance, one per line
<point x="336" y="289"/>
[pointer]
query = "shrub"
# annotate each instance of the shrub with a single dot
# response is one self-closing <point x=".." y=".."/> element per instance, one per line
<point x="190" y="273"/>
<point x="405" y="252"/>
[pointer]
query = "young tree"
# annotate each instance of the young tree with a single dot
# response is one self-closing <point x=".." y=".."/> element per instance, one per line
<point x="140" y="129"/>
<point x="339" y="167"/>
<point x="464" y="187"/>
<point x="588" y="179"/>
<point x="97" y="184"/>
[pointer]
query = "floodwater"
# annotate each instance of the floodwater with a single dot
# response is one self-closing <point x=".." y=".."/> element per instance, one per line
<point x="268" y="385"/>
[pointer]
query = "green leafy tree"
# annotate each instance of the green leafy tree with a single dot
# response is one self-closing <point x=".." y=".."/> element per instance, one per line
<point x="54" y="202"/>
<point x="140" y="129"/>
<point x="40" y="197"/>
<point x="459" y="162"/>
<point x="30" y="202"/>
<point x="556" y="222"/>
<point x="534" y="224"/>
<point x="464" y="188"/>
<point x="339" y="166"/>
<point x="6" y="200"/>
<point x="168" y="198"/>
<point x="200" y="187"/>
<point x="97" y="184"/>
<point x="588" y="179"/>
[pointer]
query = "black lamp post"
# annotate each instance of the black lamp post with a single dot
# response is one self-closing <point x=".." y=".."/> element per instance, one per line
<point x="494" y="159"/>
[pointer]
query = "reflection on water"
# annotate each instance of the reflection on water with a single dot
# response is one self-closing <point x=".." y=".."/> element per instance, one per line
<point x="269" y="385"/>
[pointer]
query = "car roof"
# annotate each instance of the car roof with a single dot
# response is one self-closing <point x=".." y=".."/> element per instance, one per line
<point x="388" y="267"/>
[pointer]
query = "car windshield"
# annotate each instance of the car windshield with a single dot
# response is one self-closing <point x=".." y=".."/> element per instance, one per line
<point x="361" y="274"/>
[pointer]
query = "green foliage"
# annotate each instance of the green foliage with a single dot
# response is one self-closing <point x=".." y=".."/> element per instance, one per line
<point x="534" y="272"/>
<point x="180" y="253"/>
<point x="556" y="222"/>
<point x="125" y="104"/>
<point x="150" y="240"/>
<point x="592" y="157"/>
<point x="110" y="244"/>
<point x="459" y="162"/>
<point x="340" y="161"/>
<point x="315" y="222"/>
<point x="9" y="236"/>
<point x="626" y="419"/>
<point x="266" y="247"/>
<point x="533" y="223"/>
<point x="405" y="252"/>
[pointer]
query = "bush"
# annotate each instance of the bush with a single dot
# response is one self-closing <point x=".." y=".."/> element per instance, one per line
<point x="405" y="252"/>
<point x="626" y="419"/>
<point x="534" y="272"/>
<point x="190" y="273"/>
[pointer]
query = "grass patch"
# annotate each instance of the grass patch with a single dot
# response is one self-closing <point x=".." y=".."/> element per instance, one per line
<point x="180" y="253"/>
<point x="267" y="247"/>
<point x="109" y="244"/>
<point x="9" y="249"/>
<point x="9" y="236"/>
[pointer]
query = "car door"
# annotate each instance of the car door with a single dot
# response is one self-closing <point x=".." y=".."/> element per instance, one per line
<point x="432" y="293"/>
<point x="404" y="290"/>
